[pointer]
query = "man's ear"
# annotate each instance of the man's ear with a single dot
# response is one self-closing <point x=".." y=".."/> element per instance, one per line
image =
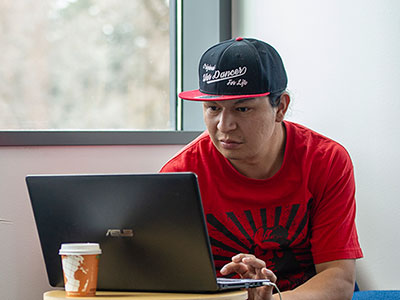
<point x="282" y="107"/>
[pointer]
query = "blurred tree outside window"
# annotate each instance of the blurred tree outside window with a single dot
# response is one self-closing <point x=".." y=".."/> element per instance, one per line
<point x="84" y="64"/>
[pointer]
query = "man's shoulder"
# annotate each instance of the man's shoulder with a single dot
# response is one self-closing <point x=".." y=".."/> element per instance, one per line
<point x="316" y="147"/>
<point x="196" y="146"/>
<point x="189" y="154"/>
<point x="302" y="135"/>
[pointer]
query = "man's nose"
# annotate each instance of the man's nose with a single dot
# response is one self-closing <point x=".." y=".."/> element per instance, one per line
<point x="226" y="122"/>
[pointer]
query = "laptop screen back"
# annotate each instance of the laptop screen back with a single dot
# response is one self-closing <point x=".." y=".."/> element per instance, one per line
<point x="150" y="228"/>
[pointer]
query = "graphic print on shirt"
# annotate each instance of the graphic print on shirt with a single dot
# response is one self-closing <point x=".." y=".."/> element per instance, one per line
<point x="279" y="236"/>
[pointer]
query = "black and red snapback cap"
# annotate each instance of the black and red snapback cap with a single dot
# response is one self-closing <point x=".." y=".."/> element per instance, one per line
<point x="237" y="69"/>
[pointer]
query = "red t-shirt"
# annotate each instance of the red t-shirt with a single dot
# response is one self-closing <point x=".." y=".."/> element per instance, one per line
<point x="303" y="215"/>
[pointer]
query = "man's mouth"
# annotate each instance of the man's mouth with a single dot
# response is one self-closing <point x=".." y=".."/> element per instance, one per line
<point x="229" y="144"/>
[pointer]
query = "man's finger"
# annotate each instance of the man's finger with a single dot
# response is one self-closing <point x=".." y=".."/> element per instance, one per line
<point x="254" y="262"/>
<point x="269" y="274"/>
<point x="232" y="267"/>
<point x="239" y="257"/>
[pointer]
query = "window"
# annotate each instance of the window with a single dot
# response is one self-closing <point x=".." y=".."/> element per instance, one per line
<point x="103" y="72"/>
<point x="84" y="64"/>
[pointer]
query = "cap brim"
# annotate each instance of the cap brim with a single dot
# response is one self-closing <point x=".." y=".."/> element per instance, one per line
<point x="196" y="95"/>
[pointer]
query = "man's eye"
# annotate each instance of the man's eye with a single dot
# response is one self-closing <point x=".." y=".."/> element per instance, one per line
<point x="213" y="108"/>
<point x="242" y="109"/>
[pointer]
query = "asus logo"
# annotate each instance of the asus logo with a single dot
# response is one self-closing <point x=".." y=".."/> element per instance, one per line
<point x="120" y="232"/>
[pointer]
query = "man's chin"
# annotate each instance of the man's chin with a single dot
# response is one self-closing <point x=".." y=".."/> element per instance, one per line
<point x="230" y="154"/>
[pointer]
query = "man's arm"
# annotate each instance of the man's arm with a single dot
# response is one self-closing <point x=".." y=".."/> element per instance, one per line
<point x="334" y="281"/>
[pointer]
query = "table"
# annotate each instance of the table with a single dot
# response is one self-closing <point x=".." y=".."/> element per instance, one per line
<point x="103" y="295"/>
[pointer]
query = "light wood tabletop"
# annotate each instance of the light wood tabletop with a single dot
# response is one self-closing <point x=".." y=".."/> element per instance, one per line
<point x="104" y="295"/>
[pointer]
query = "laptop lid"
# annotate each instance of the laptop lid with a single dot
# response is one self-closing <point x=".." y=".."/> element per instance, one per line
<point x="150" y="227"/>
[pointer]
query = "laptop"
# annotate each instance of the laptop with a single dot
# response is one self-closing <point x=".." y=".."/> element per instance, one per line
<point x="150" y="227"/>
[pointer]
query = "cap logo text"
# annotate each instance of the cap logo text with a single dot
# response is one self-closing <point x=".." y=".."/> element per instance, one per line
<point x="222" y="75"/>
<point x="208" y="67"/>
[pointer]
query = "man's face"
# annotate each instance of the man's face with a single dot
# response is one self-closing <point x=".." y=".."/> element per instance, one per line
<point x="241" y="129"/>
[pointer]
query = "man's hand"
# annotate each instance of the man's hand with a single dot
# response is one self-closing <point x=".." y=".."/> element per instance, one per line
<point x="249" y="266"/>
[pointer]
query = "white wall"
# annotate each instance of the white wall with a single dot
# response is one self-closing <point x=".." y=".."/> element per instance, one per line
<point x="22" y="270"/>
<point x="342" y="59"/>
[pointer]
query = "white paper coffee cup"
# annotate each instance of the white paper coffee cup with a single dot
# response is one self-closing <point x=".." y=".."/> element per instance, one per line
<point x="80" y="268"/>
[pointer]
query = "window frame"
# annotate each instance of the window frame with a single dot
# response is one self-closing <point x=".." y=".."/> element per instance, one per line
<point x="183" y="49"/>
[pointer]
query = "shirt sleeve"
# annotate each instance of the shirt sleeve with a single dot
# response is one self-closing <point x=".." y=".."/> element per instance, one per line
<point x="334" y="234"/>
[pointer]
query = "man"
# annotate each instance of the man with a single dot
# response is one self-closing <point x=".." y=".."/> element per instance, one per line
<point x="278" y="197"/>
